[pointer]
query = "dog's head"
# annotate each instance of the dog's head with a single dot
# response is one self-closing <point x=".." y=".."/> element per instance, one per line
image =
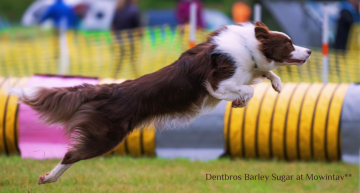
<point x="278" y="48"/>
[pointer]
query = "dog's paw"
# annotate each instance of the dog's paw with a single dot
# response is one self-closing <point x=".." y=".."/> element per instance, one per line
<point x="47" y="178"/>
<point x="42" y="179"/>
<point x="238" y="103"/>
<point x="276" y="84"/>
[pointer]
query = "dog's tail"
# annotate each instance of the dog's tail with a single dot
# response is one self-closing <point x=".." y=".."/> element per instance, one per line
<point x="58" y="105"/>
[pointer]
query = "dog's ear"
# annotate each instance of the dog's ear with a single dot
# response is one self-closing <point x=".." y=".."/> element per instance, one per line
<point x="261" y="31"/>
<point x="261" y="24"/>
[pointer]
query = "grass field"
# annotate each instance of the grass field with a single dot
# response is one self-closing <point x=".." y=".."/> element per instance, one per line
<point x="124" y="174"/>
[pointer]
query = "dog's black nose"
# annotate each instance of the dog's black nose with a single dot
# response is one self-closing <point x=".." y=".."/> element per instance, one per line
<point x="309" y="52"/>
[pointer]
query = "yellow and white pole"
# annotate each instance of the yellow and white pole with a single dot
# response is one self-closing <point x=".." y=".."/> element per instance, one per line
<point x="325" y="45"/>
<point x="193" y="21"/>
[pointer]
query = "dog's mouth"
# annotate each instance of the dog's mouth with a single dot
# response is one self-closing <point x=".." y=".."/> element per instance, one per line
<point x="296" y="62"/>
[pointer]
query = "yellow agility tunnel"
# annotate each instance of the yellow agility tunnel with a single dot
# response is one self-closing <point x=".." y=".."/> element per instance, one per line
<point x="9" y="128"/>
<point x="138" y="143"/>
<point x="300" y="123"/>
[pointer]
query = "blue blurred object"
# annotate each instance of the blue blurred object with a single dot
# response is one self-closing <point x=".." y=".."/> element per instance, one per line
<point x="1" y="23"/>
<point x="302" y="21"/>
<point x="348" y="6"/>
<point x="4" y="23"/>
<point x="161" y="17"/>
<point x="58" y="11"/>
<point x="214" y="19"/>
<point x="40" y="9"/>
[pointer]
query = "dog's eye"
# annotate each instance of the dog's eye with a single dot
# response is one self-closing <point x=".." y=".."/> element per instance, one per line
<point x="292" y="47"/>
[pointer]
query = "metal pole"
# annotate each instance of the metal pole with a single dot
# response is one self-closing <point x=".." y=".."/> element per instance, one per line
<point x="193" y="21"/>
<point x="257" y="12"/>
<point x="325" y="46"/>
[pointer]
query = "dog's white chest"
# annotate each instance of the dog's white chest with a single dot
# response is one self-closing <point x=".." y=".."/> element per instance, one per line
<point x="241" y="77"/>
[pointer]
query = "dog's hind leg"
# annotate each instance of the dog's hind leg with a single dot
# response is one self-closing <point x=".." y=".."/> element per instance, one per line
<point x="54" y="175"/>
<point x="97" y="139"/>
<point x="89" y="147"/>
<point x="93" y="134"/>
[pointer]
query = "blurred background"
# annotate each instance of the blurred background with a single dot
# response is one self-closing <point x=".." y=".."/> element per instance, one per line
<point x="58" y="43"/>
<point x="122" y="38"/>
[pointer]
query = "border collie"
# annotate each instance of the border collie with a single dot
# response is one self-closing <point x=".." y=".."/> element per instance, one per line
<point x="98" y="117"/>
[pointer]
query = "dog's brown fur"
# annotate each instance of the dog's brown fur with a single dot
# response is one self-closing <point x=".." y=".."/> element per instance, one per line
<point x="98" y="117"/>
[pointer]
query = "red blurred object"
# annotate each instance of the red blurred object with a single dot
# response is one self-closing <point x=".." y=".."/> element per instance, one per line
<point x="81" y="9"/>
<point x="183" y="12"/>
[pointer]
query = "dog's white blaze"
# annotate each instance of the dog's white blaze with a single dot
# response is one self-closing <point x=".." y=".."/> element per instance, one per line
<point x="300" y="53"/>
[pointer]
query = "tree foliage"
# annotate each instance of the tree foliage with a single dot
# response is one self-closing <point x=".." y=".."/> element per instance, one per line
<point x="14" y="9"/>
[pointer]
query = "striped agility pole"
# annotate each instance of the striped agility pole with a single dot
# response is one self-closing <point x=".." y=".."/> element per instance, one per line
<point x="192" y="38"/>
<point x="325" y="45"/>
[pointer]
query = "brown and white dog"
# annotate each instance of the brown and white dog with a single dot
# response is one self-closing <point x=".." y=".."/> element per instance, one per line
<point x="98" y="117"/>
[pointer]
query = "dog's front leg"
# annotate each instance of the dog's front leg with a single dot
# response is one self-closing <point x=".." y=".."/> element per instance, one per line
<point x="275" y="80"/>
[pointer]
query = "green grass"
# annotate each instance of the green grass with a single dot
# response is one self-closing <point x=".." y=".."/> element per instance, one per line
<point x="124" y="174"/>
